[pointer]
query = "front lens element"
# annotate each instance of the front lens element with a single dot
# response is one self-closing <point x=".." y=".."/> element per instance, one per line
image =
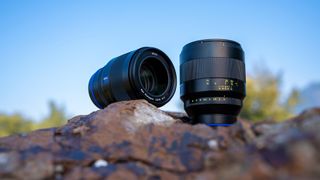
<point x="154" y="76"/>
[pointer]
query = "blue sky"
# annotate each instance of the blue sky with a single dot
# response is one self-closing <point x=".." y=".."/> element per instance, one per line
<point x="49" y="49"/>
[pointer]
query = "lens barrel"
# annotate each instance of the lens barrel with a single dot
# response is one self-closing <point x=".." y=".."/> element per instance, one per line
<point x="145" y="73"/>
<point x="212" y="81"/>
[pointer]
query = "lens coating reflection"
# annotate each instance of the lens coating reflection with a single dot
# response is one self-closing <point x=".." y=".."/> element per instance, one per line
<point x="154" y="76"/>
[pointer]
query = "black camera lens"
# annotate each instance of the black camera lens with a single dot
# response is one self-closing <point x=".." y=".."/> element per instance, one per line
<point x="212" y="81"/>
<point x="145" y="73"/>
<point x="154" y="77"/>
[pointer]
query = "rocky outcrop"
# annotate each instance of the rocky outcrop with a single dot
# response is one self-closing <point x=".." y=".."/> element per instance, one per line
<point x="135" y="140"/>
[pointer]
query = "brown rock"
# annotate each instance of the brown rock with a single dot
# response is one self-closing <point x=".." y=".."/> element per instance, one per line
<point x="135" y="140"/>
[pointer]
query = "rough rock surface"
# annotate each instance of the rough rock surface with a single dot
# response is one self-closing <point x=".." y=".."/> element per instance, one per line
<point x="135" y="140"/>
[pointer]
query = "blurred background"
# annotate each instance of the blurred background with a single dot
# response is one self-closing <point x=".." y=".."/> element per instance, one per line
<point x="50" y="49"/>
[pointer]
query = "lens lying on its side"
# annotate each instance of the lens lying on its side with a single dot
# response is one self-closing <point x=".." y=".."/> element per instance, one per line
<point x="146" y="73"/>
<point x="212" y="81"/>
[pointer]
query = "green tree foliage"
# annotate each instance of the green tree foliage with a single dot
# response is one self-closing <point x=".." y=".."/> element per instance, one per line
<point x="55" y="118"/>
<point x="263" y="99"/>
<point x="12" y="124"/>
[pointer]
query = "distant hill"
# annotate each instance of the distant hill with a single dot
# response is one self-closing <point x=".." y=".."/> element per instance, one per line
<point x="309" y="97"/>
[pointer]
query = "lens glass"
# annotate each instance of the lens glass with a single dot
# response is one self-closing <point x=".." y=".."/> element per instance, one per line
<point x="153" y="76"/>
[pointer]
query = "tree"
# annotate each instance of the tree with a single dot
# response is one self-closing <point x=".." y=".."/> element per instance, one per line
<point x="12" y="124"/>
<point x="16" y="123"/>
<point x="263" y="98"/>
<point x="56" y="117"/>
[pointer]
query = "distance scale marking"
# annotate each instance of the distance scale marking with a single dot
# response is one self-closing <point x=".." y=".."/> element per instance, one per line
<point x="228" y="85"/>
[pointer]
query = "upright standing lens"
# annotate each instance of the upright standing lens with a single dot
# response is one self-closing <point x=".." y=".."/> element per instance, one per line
<point x="146" y="73"/>
<point x="212" y="81"/>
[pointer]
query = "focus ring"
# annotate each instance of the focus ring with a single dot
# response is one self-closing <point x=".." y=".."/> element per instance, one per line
<point x="206" y="68"/>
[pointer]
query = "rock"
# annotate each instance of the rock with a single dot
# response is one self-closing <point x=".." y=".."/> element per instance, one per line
<point x="134" y="140"/>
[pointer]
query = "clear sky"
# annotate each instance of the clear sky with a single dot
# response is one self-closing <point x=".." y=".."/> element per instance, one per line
<point x="49" y="49"/>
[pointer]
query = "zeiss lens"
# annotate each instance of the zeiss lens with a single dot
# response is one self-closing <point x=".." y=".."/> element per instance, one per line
<point x="145" y="73"/>
<point x="212" y="81"/>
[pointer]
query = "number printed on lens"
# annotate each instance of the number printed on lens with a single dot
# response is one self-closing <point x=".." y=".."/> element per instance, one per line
<point x="212" y="81"/>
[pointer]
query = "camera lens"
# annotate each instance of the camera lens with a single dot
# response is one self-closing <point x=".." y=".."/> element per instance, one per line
<point x="154" y="77"/>
<point x="145" y="73"/>
<point x="212" y="81"/>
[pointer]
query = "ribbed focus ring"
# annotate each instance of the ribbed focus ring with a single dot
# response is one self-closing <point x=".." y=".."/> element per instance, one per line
<point x="207" y="68"/>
